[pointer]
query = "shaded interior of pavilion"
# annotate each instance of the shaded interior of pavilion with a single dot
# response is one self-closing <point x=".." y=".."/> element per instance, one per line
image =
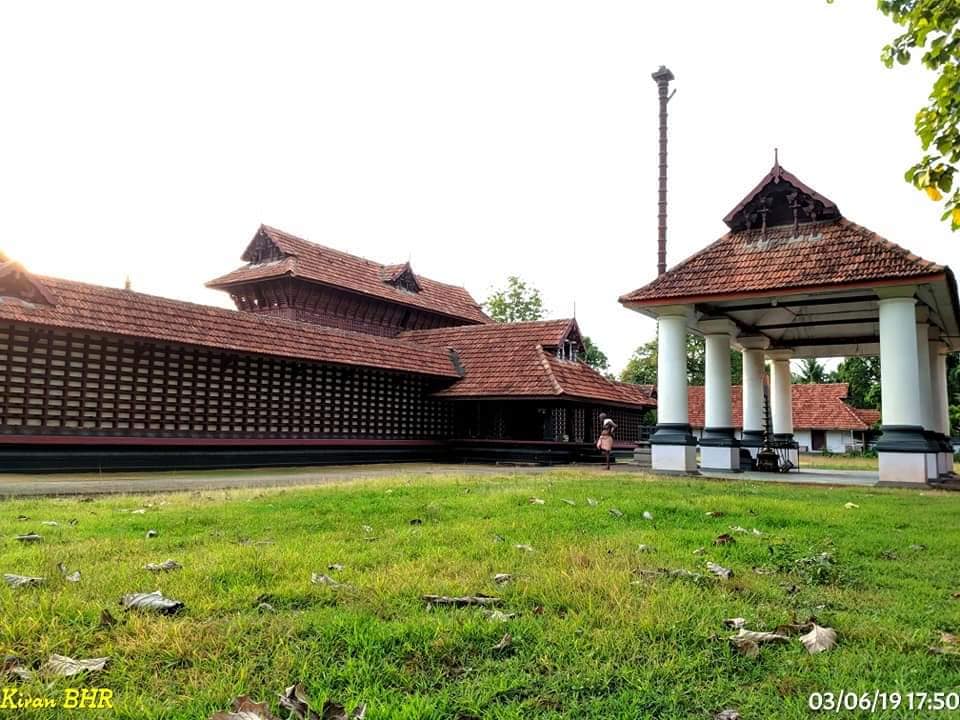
<point x="795" y="279"/>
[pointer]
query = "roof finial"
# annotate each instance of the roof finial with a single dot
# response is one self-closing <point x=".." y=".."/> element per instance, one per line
<point x="776" y="157"/>
<point x="127" y="285"/>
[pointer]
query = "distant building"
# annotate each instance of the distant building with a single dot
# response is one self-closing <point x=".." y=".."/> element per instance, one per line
<point x="822" y="419"/>
<point x="328" y="358"/>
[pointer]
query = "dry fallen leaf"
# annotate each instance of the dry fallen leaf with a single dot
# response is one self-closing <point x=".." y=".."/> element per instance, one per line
<point x="644" y="548"/>
<point x="747" y="642"/>
<point x="728" y="714"/>
<point x="462" y="601"/>
<point x="506" y="642"/>
<point x="647" y="515"/>
<point x="734" y="623"/>
<point x="725" y="539"/>
<point x="28" y="538"/>
<point x="335" y="567"/>
<point x="616" y="512"/>
<point x="67" y="575"/>
<point x="245" y="709"/>
<point x="165" y="566"/>
<point x="819" y="639"/>
<point x="266" y="607"/>
<point x="537" y="501"/>
<point x="524" y="547"/>
<point x="152" y="534"/>
<point x="715" y="513"/>
<point x="296" y="700"/>
<point x="499" y="616"/>
<point x="699" y="551"/>
<point x="151" y="601"/>
<point x="949" y="638"/>
<point x="568" y="502"/>
<point x="591" y="502"/>
<point x="319" y="579"/>
<point x="851" y="506"/>
<point x="720" y="571"/>
<point x="50" y="523"/>
<point x="501" y="578"/>
<point x="18" y="581"/>
<point x="68" y="667"/>
<point x="12" y="667"/>
<point x="738" y="529"/>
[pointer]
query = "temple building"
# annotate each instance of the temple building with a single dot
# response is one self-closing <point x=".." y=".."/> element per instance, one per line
<point x="327" y="358"/>
<point x="794" y="278"/>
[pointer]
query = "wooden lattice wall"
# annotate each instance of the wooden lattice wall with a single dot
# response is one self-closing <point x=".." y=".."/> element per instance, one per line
<point x="75" y="383"/>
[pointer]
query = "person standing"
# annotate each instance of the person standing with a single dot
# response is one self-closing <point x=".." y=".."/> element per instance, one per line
<point x="605" y="441"/>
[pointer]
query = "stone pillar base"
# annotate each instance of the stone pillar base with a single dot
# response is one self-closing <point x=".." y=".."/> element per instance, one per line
<point x="726" y="459"/>
<point x="674" y="458"/>
<point x="752" y="440"/>
<point x="903" y="469"/>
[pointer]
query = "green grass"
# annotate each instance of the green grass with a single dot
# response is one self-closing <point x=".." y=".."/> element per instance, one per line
<point x="601" y="647"/>
<point x="843" y="462"/>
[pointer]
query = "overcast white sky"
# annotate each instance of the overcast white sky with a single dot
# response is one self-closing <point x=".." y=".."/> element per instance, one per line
<point x="479" y="139"/>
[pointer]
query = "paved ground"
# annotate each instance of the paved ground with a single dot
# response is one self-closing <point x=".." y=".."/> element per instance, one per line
<point x="154" y="482"/>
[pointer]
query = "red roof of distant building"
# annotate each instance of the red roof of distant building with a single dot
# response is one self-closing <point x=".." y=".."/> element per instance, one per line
<point x="514" y="360"/>
<point x="815" y="406"/>
<point x="79" y="306"/>
<point x="317" y="263"/>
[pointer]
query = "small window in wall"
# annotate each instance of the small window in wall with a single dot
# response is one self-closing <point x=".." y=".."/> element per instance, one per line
<point x="567" y="350"/>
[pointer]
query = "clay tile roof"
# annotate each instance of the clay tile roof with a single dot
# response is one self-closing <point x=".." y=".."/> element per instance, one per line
<point x="78" y="306"/>
<point x="868" y="416"/>
<point x="815" y="406"/>
<point x="515" y="360"/>
<point x="825" y="254"/>
<point x="317" y="263"/>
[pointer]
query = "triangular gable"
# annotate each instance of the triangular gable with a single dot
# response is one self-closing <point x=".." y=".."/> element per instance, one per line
<point x="16" y="282"/>
<point x="401" y="276"/>
<point x="781" y="198"/>
<point x="263" y="249"/>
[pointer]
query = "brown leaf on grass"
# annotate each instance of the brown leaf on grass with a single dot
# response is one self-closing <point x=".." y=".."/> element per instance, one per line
<point x="568" y="502"/>
<point x="19" y="581"/>
<point x="154" y="601"/>
<point x="725" y="539"/>
<point x="728" y="714"/>
<point x="819" y="639"/>
<point x="245" y="709"/>
<point x="734" y="623"/>
<point x="506" y="642"/>
<point x="949" y="638"/>
<point x="320" y="579"/>
<point x="462" y="601"/>
<point x="720" y="571"/>
<point x="28" y="538"/>
<point x="13" y="668"/>
<point x="537" y="501"/>
<point x="501" y="578"/>
<point x="296" y="700"/>
<point x="165" y="566"/>
<point x="746" y="647"/>
<point x="615" y="512"/>
<point x="715" y="513"/>
<point x="67" y="575"/>
<point x="524" y="547"/>
<point x="68" y="667"/>
<point x="748" y="642"/>
<point x="107" y="619"/>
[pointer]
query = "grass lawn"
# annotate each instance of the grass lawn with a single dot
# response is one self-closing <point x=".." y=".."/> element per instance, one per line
<point x="844" y="462"/>
<point x="592" y="638"/>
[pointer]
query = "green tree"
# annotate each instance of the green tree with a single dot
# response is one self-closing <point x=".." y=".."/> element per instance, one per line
<point x="811" y="371"/>
<point x="594" y="356"/>
<point x="932" y="27"/>
<point x="517" y="302"/>
<point x="641" y="368"/>
<point x="862" y="374"/>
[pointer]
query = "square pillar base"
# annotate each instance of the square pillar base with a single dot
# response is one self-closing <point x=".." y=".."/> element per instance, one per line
<point x="933" y="466"/>
<point x="674" y="458"/>
<point x="903" y="469"/>
<point x="720" y="458"/>
<point x="945" y="462"/>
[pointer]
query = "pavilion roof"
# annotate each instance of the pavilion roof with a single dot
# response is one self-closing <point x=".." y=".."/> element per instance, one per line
<point x="299" y="258"/>
<point x="815" y="406"/>
<point x="79" y="306"/>
<point x="515" y="360"/>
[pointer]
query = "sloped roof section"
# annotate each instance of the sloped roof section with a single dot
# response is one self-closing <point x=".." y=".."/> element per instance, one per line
<point x="516" y="360"/>
<point x="78" y="306"/>
<point x="289" y="255"/>
<point x="16" y="282"/>
<point x="822" y="255"/>
<point x="815" y="406"/>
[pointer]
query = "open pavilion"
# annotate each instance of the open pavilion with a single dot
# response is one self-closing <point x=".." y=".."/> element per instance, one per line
<point x="793" y="278"/>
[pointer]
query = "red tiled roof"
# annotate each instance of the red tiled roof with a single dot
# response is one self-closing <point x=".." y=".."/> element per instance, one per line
<point x="835" y="253"/>
<point x="869" y="417"/>
<point x="317" y="263"/>
<point x="815" y="406"/>
<point x="512" y="360"/>
<point x="95" y="308"/>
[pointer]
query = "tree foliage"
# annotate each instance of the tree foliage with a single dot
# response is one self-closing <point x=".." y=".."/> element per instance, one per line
<point x="811" y="371"/>
<point x="862" y="375"/>
<point x="594" y="356"/>
<point x="932" y="27"/>
<point x="641" y="369"/>
<point x="517" y="302"/>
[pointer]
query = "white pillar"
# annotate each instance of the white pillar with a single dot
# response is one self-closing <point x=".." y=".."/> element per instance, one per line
<point x="902" y="448"/>
<point x="672" y="447"/>
<point x="924" y="392"/>
<point x="939" y="403"/>
<point x="781" y="394"/>
<point x="719" y="449"/>
<point x="754" y="374"/>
